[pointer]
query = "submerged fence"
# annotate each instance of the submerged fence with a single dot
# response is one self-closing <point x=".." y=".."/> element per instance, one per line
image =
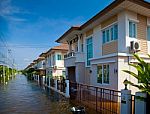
<point x="105" y="101"/>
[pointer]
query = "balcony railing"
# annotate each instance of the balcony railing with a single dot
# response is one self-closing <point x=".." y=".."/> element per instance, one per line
<point x="71" y="54"/>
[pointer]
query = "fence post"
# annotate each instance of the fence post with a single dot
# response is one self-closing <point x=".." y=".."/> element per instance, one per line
<point x="140" y="103"/>
<point x="43" y="79"/>
<point x="55" y="81"/>
<point x="49" y="82"/>
<point x="67" y="88"/>
<point x="125" y="101"/>
<point x="38" y="79"/>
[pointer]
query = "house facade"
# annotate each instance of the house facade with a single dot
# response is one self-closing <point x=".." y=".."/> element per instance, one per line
<point x="103" y="46"/>
<point x="54" y="61"/>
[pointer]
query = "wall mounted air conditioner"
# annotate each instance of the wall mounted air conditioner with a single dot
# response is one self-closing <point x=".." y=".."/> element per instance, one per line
<point x="134" y="46"/>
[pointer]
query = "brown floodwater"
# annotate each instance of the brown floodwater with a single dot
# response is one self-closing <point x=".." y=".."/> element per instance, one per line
<point x="20" y="96"/>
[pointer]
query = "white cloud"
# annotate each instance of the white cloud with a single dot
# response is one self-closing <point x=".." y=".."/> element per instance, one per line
<point x="7" y="11"/>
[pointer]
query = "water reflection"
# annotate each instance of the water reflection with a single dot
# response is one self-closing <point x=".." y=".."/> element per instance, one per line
<point x="23" y="97"/>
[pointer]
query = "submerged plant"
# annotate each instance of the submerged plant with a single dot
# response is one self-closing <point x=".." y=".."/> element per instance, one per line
<point x="143" y="75"/>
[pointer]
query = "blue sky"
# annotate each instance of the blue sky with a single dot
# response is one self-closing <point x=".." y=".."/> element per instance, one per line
<point x="38" y="23"/>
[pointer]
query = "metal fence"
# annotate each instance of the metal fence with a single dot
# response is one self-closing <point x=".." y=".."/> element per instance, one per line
<point x="104" y="101"/>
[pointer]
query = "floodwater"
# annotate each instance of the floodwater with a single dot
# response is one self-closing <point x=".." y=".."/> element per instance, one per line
<point x="21" y="96"/>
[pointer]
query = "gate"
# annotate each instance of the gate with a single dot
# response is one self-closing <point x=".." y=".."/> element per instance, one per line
<point x="103" y="100"/>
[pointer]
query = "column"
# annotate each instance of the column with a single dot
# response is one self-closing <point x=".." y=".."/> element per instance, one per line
<point x="67" y="88"/>
<point x="55" y="81"/>
<point x="49" y="81"/>
<point x="140" y="103"/>
<point x="125" y="102"/>
<point x="79" y="43"/>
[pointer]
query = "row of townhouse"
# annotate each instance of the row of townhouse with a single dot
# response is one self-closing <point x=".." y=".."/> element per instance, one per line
<point x="96" y="52"/>
<point x="102" y="47"/>
<point x="50" y="64"/>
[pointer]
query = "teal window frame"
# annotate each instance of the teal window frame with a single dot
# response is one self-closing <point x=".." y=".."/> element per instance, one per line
<point x="59" y="57"/>
<point x="110" y="33"/>
<point x="132" y="29"/>
<point x="89" y="47"/>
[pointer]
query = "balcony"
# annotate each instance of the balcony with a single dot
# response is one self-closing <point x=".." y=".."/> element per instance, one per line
<point x="73" y="57"/>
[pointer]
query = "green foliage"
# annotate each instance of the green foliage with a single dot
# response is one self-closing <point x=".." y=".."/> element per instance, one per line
<point x="143" y="75"/>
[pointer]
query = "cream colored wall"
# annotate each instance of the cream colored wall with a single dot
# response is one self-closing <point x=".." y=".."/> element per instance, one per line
<point x="80" y="72"/>
<point x="109" y="21"/>
<point x="123" y="65"/>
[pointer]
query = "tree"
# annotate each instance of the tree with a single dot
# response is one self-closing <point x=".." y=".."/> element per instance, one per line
<point x="143" y="75"/>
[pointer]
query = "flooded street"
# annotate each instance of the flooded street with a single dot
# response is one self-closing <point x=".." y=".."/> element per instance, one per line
<point x="21" y="96"/>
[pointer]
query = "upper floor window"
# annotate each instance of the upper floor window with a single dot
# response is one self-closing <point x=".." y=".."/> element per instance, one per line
<point x="110" y="33"/>
<point x="148" y="33"/>
<point x="89" y="46"/>
<point x="59" y="57"/>
<point x="132" y="29"/>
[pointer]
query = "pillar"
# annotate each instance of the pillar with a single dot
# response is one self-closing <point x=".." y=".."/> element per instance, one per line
<point x="49" y="81"/>
<point x="67" y="88"/>
<point x="55" y="81"/>
<point x="140" y="103"/>
<point x="125" y="102"/>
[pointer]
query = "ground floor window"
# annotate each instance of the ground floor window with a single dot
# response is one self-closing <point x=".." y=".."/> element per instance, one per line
<point x="103" y="74"/>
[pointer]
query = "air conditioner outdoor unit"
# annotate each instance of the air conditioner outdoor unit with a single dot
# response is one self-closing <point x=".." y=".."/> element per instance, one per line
<point x="134" y="46"/>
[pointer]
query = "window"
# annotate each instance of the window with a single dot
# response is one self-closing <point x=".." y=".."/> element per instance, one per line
<point x="59" y="57"/>
<point x="110" y="33"/>
<point x="104" y="37"/>
<point x="103" y="74"/>
<point x="148" y="33"/>
<point x="89" y="45"/>
<point x="132" y="29"/>
<point x="99" y="74"/>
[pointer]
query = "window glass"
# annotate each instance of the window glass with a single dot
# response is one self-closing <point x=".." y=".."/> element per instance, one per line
<point x="99" y="74"/>
<point x="103" y="74"/>
<point x="110" y="33"/>
<point x="115" y="32"/>
<point x="104" y="37"/>
<point x="107" y="35"/>
<point x="89" y="50"/>
<point x="132" y="29"/>
<point x="58" y="57"/>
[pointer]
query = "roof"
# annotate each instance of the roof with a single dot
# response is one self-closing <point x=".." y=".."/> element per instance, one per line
<point x="103" y="12"/>
<point x="61" y="47"/>
<point x="68" y="32"/>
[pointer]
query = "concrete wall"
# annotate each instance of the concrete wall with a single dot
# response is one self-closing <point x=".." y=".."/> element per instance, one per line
<point x="123" y="65"/>
<point x="80" y="72"/>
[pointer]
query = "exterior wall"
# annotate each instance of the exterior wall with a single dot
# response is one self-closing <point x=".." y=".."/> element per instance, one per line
<point x="80" y="74"/>
<point x="109" y="48"/>
<point x="68" y="62"/>
<point x="148" y="43"/>
<point x="113" y="78"/>
<point x="88" y="33"/>
<point x="97" y="42"/>
<point x="123" y="65"/>
<point x="141" y="33"/>
<point x="109" y="21"/>
<point x="87" y="75"/>
<point x="122" y="46"/>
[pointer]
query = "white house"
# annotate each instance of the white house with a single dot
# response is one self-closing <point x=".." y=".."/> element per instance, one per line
<point x="102" y="47"/>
